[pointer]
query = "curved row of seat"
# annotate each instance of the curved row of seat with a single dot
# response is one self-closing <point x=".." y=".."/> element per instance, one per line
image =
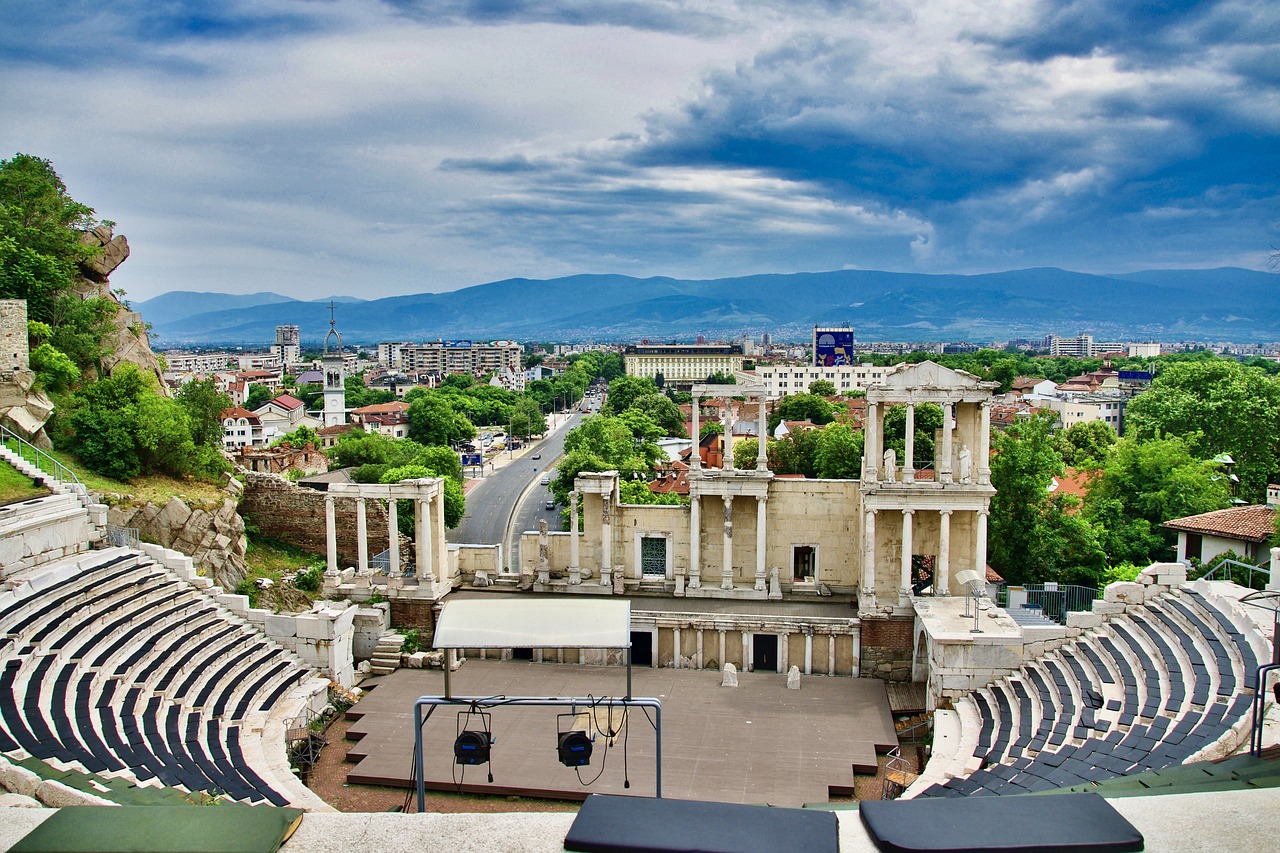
<point x="1158" y="686"/>
<point x="112" y="664"/>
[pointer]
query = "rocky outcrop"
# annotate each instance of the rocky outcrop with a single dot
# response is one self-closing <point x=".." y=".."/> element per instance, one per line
<point x="130" y="341"/>
<point x="21" y="409"/>
<point x="213" y="539"/>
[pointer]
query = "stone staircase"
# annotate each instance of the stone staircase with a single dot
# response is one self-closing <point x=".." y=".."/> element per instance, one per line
<point x="386" y="655"/>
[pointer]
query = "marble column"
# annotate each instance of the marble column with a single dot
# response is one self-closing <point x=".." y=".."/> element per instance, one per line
<point x="440" y="554"/>
<point x="695" y="541"/>
<point x="393" y="536"/>
<point x="330" y="534"/>
<point x="808" y="653"/>
<point x="831" y="654"/>
<point x="762" y="429"/>
<point x="867" y="588"/>
<point x="909" y="463"/>
<point x="697" y="657"/>
<point x="944" y="456"/>
<point x="746" y="652"/>
<point x="904" y="584"/>
<point x="984" y="444"/>
<point x="675" y="660"/>
<point x="761" y="535"/>
<point x="980" y="545"/>
<point x="871" y="445"/>
<point x="942" y="571"/>
<point x="422" y="539"/>
<point x="362" y="538"/>
<point x="606" y="540"/>
<point x="722" y="649"/>
<point x="575" y="567"/>
<point x="695" y="458"/>
<point x="784" y="657"/>
<point x="726" y="568"/>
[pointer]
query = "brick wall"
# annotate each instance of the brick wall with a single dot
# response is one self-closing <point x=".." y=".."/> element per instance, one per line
<point x="886" y="648"/>
<point x="406" y="613"/>
<point x="293" y="514"/>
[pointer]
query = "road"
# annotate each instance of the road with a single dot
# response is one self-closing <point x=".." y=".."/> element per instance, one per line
<point x="491" y="500"/>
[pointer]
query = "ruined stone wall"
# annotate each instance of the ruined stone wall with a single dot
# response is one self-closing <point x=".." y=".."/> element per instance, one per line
<point x="887" y="648"/>
<point x="13" y="335"/>
<point x="291" y="513"/>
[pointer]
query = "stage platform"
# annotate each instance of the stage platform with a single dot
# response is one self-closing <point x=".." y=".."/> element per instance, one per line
<point x="757" y="743"/>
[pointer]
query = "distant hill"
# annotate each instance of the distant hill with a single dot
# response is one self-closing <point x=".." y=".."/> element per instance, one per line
<point x="1231" y="304"/>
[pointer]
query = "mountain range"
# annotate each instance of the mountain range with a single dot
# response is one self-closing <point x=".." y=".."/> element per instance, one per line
<point x="1213" y="304"/>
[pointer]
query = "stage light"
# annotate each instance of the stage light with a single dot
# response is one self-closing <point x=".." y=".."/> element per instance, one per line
<point x="471" y="748"/>
<point x="574" y="748"/>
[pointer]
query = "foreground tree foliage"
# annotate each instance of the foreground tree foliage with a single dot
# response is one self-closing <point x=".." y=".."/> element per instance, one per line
<point x="121" y="428"/>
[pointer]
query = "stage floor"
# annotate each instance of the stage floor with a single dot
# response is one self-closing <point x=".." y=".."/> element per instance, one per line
<point x="758" y="743"/>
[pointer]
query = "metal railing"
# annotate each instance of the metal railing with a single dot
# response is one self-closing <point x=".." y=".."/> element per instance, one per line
<point x="122" y="537"/>
<point x="1230" y="570"/>
<point x="1053" y="600"/>
<point x="38" y="457"/>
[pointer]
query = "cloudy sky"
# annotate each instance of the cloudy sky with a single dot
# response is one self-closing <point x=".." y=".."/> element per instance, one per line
<point x="317" y="147"/>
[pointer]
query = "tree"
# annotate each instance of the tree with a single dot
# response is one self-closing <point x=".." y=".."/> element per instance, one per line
<point x="662" y="411"/>
<point x="455" y="501"/>
<point x="801" y="407"/>
<point x="928" y="419"/>
<point x="1086" y="444"/>
<point x="433" y="421"/>
<point x="795" y="453"/>
<point x="204" y="404"/>
<point x="299" y="438"/>
<point x="1143" y="485"/>
<point x="527" y="418"/>
<point x="822" y="388"/>
<point x="638" y="492"/>
<point x="839" y="453"/>
<point x="625" y="390"/>
<point x="1036" y="535"/>
<point x="1217" y="406"/>
<point x="258" y="396"/>
<point x="710" y="428"/>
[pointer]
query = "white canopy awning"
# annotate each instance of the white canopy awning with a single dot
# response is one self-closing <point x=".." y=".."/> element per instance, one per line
<point x="505" y="623"/>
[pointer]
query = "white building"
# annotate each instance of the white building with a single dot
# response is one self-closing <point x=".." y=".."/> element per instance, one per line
<point x="782" y="379"/>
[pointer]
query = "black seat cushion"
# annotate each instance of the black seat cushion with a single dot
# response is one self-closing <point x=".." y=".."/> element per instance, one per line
<point x="611" y="824"/>
<point x="1061" y="824"/>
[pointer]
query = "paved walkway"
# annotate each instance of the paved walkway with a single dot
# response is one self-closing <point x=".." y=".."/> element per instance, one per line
<point x="757" y="743"/>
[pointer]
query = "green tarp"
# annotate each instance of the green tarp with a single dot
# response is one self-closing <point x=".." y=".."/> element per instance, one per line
<point x="227" y="828"/>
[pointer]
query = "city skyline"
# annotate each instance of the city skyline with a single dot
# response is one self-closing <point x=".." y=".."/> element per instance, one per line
<point x="406" y="147"/>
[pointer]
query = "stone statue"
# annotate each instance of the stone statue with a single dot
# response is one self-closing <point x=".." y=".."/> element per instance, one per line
<point x="890" y="465"/>
<point x="729" y="678"/>
<point x="793" y="678"/>
<point x="775" y="585"/>
<point x="966" y="464"/>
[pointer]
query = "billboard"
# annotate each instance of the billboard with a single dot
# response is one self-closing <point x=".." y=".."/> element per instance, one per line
<point x="471" y="459"/>
<point x="1135" y="376"/>
<point x="457" y="344"/>
<point x="832" y="347"/>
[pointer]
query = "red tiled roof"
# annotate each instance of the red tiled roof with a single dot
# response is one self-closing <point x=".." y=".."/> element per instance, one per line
<point x="1245" y="523"/>
<point x="240" y="412"/>
<point x="395" y="406"/>
<point x="286" y="401"/>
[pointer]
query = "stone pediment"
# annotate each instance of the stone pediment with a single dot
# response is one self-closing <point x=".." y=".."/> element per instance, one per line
<point x="928" y="379"/>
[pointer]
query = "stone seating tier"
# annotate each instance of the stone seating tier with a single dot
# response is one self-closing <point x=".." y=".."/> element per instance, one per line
<point x="112" y="665"/>
<point x="1150" y="688"/>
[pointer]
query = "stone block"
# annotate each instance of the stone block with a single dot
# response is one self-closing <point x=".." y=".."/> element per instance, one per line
<point x="1125" y="592"/>
<point x="313" y="627"/>
<point x="417" y="660"/>
<point x="281" y="626"/>
<point x="18" y="801"/>
<point x="56" y="795"/>
<point x="18" y="779"/>
<point x="234" y="603"/>
<point x="1084" y="620"/>
<point x="957" y="682"/>
<point x="1107" y="608"/>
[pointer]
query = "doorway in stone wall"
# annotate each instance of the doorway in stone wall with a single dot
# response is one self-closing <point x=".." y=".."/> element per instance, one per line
<point x="764" y="652"/>
<point x="804" y="562"/>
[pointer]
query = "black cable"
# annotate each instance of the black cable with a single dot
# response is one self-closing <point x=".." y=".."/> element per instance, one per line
<point x="413" y="768"/>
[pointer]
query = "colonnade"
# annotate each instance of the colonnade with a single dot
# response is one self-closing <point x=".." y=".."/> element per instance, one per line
<point x="942" y="570"/>
<point x="431" y="563"/>
<point x="874" y="431"/>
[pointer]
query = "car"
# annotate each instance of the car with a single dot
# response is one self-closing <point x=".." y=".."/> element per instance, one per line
<point x="546" y="481"/>
<point x="536" y="456"/>
<point x="551" y="503"/>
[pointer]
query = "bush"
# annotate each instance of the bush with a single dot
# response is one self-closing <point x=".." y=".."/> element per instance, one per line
<point x="412" y="641"/>
<point x="309" y="579"/>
